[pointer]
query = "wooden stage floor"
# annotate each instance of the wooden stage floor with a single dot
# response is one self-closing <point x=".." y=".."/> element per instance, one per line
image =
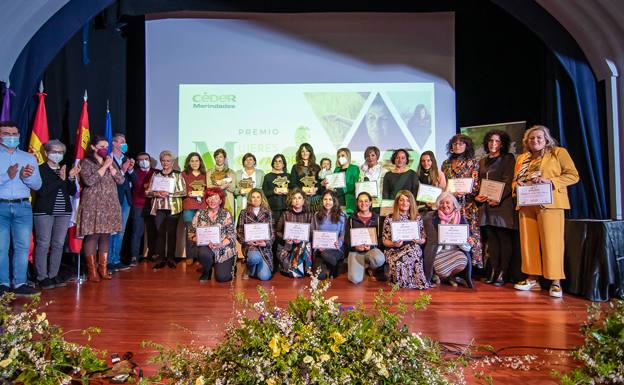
<point x="171" y="306"/>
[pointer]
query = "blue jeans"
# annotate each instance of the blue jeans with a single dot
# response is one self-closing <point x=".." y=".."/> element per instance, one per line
<point x="257" y="266"/>
<point x="16" y="225"/>
<point x="116" y="240"/>
<point x="138" y="230"/>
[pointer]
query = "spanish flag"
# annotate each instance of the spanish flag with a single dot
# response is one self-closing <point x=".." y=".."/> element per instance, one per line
<point x="82" y="141"/>
<point x="39" y="135"/>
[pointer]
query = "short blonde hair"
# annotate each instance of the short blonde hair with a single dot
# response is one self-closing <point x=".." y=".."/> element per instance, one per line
<point x="346" y="151"/>
<point x="166" y="153"/>
<point x="551" y="143"/>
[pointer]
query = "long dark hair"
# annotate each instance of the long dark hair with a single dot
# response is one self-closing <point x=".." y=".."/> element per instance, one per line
<point x="468" y="154"/>
<point x="312" y="166"/>
<point x="93" y="142"/>
<point x="433" y="171"/>
<point x="334" y="212"/>
<point x="504" y="138"/>
<point x="187" y="163"/>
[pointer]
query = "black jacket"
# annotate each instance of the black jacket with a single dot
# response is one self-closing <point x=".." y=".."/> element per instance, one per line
<point x="50" y="185"/>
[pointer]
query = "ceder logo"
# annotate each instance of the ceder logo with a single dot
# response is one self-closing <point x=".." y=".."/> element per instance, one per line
<point x="214" y="98"/>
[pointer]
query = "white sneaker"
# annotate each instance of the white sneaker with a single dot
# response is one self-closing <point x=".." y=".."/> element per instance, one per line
<point x="527" y="285"/>
<point x="555" y="291"/>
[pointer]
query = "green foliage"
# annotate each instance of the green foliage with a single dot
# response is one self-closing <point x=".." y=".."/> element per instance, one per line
<point x="602" y="353"/>
<point x="314" y="340"/>
<point x="33" y="352"/>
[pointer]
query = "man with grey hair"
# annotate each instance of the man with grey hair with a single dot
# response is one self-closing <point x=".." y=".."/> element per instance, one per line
<point x="124" y="192"/>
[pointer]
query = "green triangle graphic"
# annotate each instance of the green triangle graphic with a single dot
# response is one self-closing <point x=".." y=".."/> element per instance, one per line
<point x="336" y="111"/>
<point x="415" y="110"/>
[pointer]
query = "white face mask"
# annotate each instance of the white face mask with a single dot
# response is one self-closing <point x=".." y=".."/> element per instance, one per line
<point x="343" y="160"/>
<point x="55" y="157"/>
<point x="144" y="163"/>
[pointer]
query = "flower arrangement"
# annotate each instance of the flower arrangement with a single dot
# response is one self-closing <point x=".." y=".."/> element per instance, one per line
<point x="34" y="352"/>
<point x="602" y="353"/>
<point x="314" y="340"/>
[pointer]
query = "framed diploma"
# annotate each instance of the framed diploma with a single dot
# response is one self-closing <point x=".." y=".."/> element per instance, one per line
<point x="534" y="194"/>
<point x="405" y="231"/>
<point x="324" y="239"/>
<point x="257" y="232"/>
<point x="386" y="207"/>
<point x="297" y="231"/>
<point x="336" y="180"/>
<point x="428" y="193"/>
<point x="161" y="183"/>
<point x="452" y="234"/>
<point x="364" y="236"/>
<point x="492" y="189"/>
<point x="370" y="187"/>
<point x="459" y="185"/>
<point x="207" y="235"/>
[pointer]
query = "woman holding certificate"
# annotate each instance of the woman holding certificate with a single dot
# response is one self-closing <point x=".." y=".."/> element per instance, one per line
<point x="496" y="208"/>
<point x="542" y="174"/>
<point x="429" y="175"/>
<point x="462" y="180"/>
<point x="255" y="233"/>
<point x="372" y="172"/>
<point x="449" y="242"/>
<point x="223" y="177"/>
<point x="403" y="233"/>
<point x="401" y="177"/>
<point x="328" y="228"/>
<point x="293" y="231"/>
<point x="363" y="234"/>
<point x="246" y="179"/>
<point x="304" y="174"/>
<point x="99" y="213"/>
<point x="275" y="186"/>
<point x="166" y="188"/>
<point x="194" y="175"/>
<point x="214" y="232"/>
<point x="346" y="194"/>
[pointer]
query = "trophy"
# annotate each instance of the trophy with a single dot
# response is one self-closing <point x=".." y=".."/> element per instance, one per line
<point x="245" y="185"/>
<point x="309" y="185"/>
<point x="281" y="185"/>
<point x="197" y="191"/>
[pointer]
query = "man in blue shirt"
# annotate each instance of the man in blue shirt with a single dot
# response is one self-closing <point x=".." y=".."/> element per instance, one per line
<point x="19" y="174"/>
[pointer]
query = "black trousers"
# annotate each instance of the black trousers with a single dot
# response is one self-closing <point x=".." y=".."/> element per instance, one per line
<point x="224" y="271"/>
<point x="166" y="226"/>
<point x="327" y="260"/>
<point x="499" y="244"/>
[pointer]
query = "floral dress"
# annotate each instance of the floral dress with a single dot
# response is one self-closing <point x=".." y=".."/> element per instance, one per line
<point x="468" y="168"/>
<point x="406" y="262"/>
<point x="224" y="221"/>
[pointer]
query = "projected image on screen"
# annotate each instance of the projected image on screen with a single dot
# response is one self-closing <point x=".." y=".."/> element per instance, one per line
<point x="239" y="117"/>
<point x="265" y="83"/>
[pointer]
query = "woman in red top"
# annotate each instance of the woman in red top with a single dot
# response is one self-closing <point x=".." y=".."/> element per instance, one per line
<point x="194" y="175"/>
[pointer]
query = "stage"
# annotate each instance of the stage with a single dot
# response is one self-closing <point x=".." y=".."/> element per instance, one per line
<point x="170" y="306"/>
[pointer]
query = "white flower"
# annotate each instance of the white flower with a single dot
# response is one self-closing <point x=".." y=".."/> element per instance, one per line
<point x="308" y="360"/>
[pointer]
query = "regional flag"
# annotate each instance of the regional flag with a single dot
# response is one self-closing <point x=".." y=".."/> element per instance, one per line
<point x="82" y="141"/>
<point x="39" y="135"/>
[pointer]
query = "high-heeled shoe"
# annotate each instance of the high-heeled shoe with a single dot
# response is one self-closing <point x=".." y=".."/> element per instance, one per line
<point x="490" y="280"/>
<point x="500" y="279"/>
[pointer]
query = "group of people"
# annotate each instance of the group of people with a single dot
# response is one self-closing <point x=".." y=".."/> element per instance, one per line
<point x="116" y="189"/>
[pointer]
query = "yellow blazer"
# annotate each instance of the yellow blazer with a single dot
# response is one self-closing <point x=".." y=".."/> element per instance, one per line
<point x="557" y="165"/>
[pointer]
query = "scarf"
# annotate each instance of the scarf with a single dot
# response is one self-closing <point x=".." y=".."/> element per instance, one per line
<point x="451" y="219"/>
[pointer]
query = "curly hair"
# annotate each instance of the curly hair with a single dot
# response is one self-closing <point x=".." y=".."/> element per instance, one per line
<point x="504" y="138"/>
<point x="313" y="167"/>
<point x="212" y="191"/>
<point x="467" y="154"/>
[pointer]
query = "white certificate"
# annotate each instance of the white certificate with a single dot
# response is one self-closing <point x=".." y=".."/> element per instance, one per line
<point x="257" y="232"/>
<point x="405" y="231"/>
<point x="336" y="180"/>
<point x="324" y="239"/>
<point x="452" y="234"/>
<point x="161" y="183"/>
<point x="207" y="235"/>
<point x="370" y="187"/>
<point x="297" y="231"/>
<point x="460" y="185"/>
<point x="492" y="189"/>
<point x="428" y="193"/>
<point x="534" y="194"/>
<point x="364" y="236"/>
